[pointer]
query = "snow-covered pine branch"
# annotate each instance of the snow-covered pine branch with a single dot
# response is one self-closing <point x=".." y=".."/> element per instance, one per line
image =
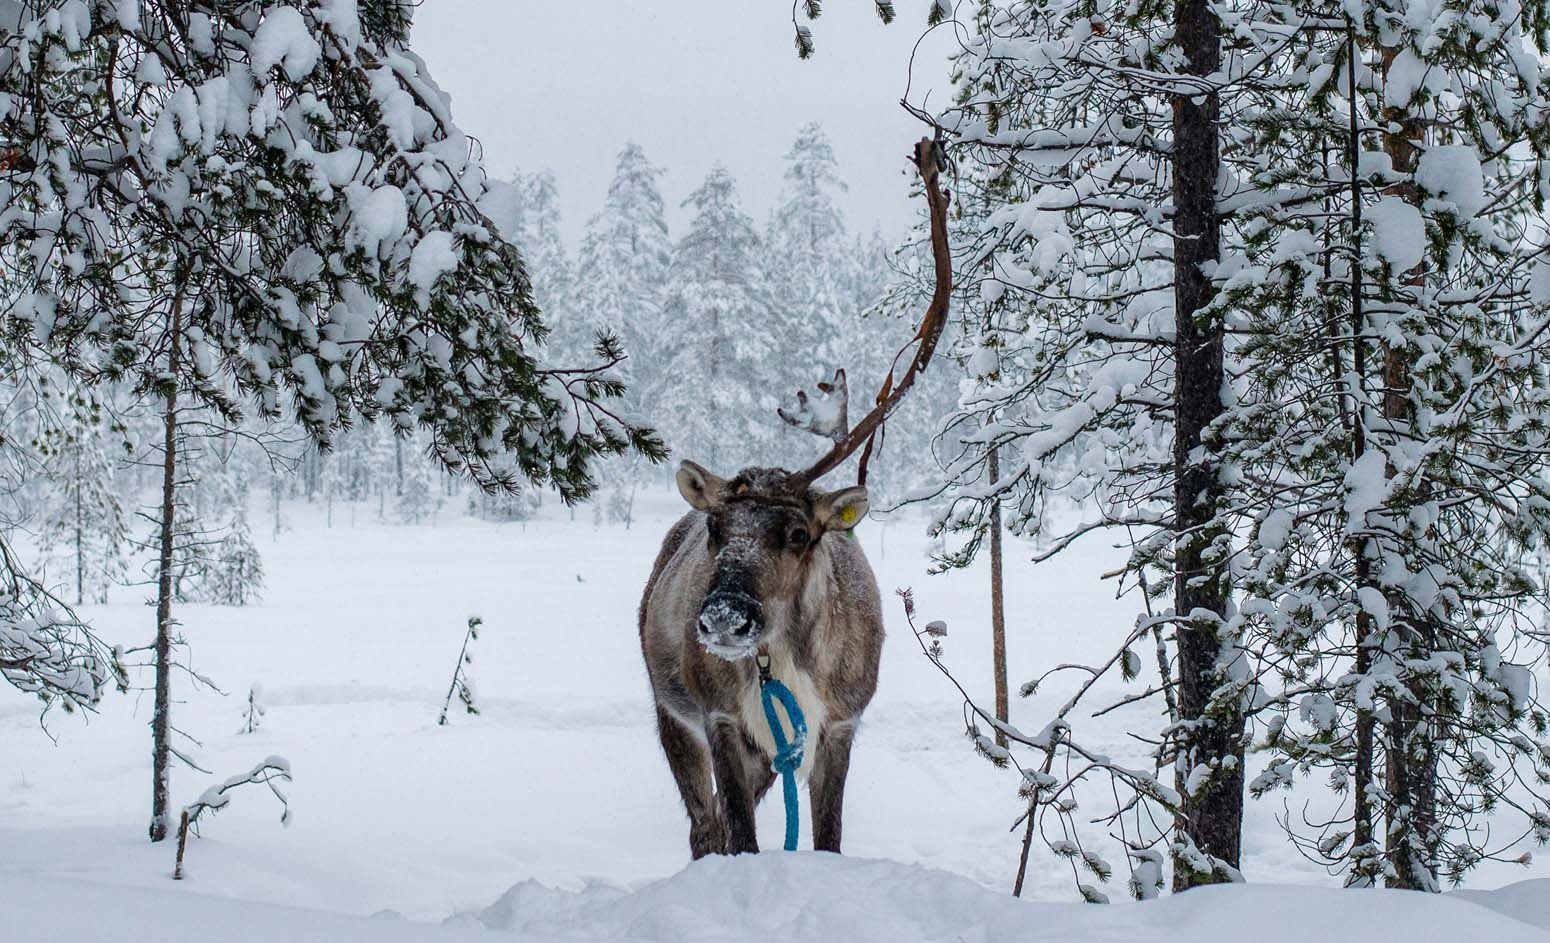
<point x="45" y="648"/>
<point x="294" y="168"/>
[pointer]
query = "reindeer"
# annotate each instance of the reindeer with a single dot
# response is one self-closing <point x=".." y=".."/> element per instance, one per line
<point x="763" y="574"/>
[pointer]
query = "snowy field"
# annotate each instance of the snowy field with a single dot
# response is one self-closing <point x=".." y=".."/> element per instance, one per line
<point x="551" y="815"/>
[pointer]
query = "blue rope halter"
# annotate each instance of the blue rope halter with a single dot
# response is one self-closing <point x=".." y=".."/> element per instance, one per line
<point x="788" y="756"/>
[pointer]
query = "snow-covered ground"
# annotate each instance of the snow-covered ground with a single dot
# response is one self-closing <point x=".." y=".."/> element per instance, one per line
<point x="798" y="897"/>
<point x="559" y="780"/>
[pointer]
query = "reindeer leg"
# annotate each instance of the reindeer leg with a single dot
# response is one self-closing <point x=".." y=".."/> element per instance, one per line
<point x="826" y="791"/>
<point x="735" y="789"/>
<point x="761" y="775"/>
<point x="689" y="760"/>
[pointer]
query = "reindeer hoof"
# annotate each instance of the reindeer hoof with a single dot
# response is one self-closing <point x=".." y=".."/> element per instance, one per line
<point x="707" y="838"/>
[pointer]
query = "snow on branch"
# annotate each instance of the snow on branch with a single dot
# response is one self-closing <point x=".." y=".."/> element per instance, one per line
<point x="1143" y="807"/>
<point x="45" y="648"/>
<point x="297" y="168"/>
<point x="273" y="769"/>
<point x="217" y="798"/>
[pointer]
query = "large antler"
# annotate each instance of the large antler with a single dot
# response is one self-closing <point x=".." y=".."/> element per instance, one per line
<point x="930" y="160"/>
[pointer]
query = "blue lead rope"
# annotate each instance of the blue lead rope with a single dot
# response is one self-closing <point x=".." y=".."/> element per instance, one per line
<point x="788" y="756"/>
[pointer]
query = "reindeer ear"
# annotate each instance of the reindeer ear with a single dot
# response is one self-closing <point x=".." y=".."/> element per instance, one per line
<point x="842" y="509"/>
<point x="700" y="488"/>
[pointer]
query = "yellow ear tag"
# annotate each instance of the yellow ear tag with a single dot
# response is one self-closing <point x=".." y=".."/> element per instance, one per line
<point x="848" y="514"/>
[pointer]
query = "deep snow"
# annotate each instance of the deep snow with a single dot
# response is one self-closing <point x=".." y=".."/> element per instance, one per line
<point x="796" y="897"/>
<point x="559" y="780"/>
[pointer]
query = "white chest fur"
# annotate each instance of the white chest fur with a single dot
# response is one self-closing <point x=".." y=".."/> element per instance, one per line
<point x="801" y="685"/>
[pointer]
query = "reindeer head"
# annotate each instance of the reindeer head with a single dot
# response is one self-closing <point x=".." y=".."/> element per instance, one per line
<point x="764" y="527"/>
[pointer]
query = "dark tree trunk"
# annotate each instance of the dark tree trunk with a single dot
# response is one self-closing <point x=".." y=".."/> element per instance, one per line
<point x="161" y="726"/>
<point x="997" y="605"/>
<point x="80" y="533"/>
<point x="1365" y="864"/>
<point x="1212" y="817"/>
<point x="1411" y="767"/>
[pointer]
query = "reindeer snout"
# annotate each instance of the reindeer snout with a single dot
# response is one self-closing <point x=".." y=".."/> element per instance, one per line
<point x="730" y="623"/>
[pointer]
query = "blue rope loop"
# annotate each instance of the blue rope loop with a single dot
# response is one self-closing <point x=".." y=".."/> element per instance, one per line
<point x="788" y="756"/>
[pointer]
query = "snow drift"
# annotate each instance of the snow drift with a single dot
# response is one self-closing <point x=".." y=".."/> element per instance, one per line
<point x="788" y="897"/>
<point x="821" y="897"/>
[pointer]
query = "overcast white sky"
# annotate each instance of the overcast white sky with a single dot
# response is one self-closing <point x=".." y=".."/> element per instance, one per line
<point x="563" y="84"/>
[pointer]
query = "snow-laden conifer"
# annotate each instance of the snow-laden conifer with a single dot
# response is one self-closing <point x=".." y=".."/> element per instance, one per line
<point x="269" y="204"/>
<point x="278" y="193"/>
<point x="721" y="313"/>
<point x="236" y="576"/>
<point x="809" y="259"/>
<point x="1373" y="498"/>
<point x="84" y="531"/>
<point x="1394" y="407"/>
<point x="621" y="274"/>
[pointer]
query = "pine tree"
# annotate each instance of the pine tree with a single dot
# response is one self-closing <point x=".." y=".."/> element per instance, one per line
<point x="382" y="450"/>
<point x="237" y="577"/>
<point x="1398" y="548"/>
<point x="418" y="502"/>
<point x="1359" y="460"/>
<point x="554" y="276"/>
<point x="253" y="713"/>
<point x="508" y="508"/>
<point x="46" y="649"/>
<point x="621" y="275"/>
<point x="194" y="543"/>
<point x="234" y="569"/>
<point x="810" y="261"/>
<point x="335" y="480"/>
<point x="1099" y="357"/>
<point x="276" y="210"/>
<point x="721" y="311"/>
<point x="84" y="532"/>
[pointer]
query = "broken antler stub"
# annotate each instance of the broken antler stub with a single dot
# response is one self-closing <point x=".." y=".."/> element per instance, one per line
<point x="825" y="412"/>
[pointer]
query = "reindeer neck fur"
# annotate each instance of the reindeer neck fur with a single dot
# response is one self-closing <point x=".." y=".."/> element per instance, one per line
<point x="794" y="643"/>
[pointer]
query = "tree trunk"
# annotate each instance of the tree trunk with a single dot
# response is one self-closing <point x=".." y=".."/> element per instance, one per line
<point x="997" y="605"/>
<point x="1365" y="866"/>
<point x="1211" y="817"/>
<point x="1411" y="754"/>
<point x="274" y="502"/>
<point x="161" y="727"/>
<point x="80" y="534"/>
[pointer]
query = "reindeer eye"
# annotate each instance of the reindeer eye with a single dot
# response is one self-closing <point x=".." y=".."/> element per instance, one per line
<point x="797" y="537"/>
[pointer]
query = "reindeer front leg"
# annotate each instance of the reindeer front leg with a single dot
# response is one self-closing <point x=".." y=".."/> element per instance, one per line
<point x="734" y="788"/>
<point x="826" y="791"/>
